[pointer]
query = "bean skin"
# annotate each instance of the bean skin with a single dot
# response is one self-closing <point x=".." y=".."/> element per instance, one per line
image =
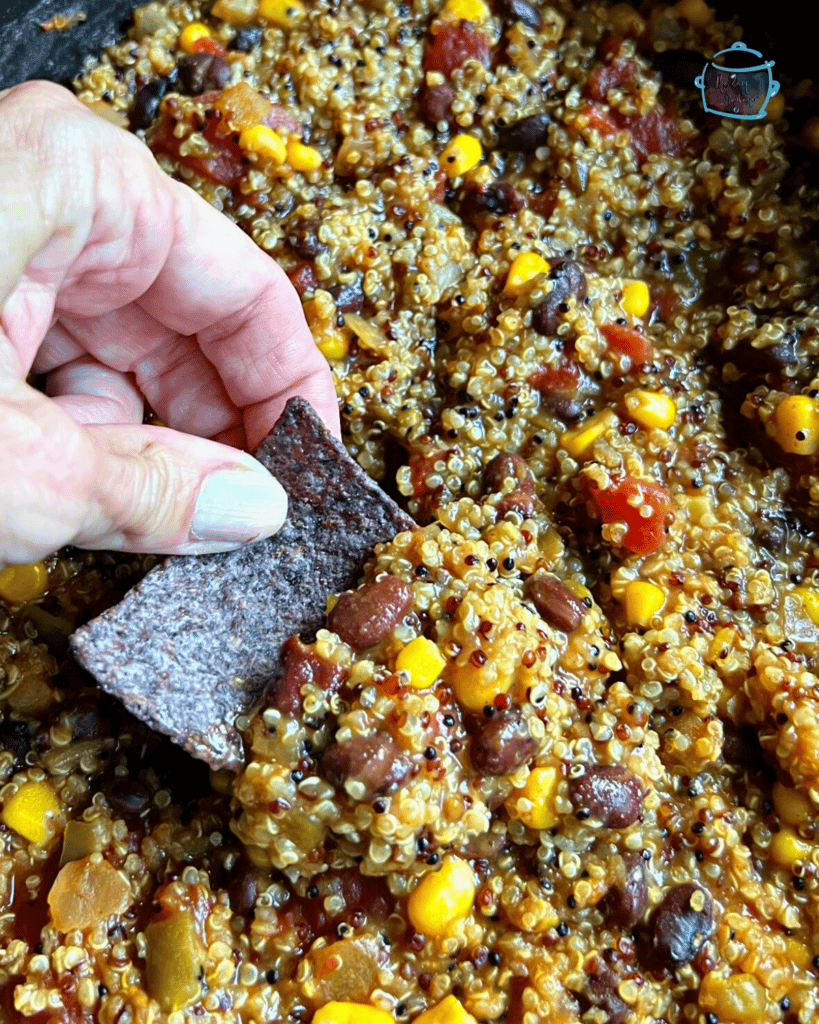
<point x="246" y="39"/>
<point x="435" y="104"/>
<point x="682" y="923"/>
<point x="568" y="279"/>
<point x="555" y="603"/>
<point x="625" y="902"/>
<point x="520" y="10"/>
<point x="504" y="466"/>
<point x="526" y="135"/>
<point x="364" y="617"/>
<point x="501" y="744"/>
<point x="146" y="103"/>
<point x="610" y="794"/>
<point x="374" y="761"/>
<point x="203" y="72"/>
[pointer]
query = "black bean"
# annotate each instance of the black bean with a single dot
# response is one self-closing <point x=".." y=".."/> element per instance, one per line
<point x="349" y="297"/>
<point x="246" y="39"/>
<point x="498" y="199"/>
<point x="202" y="72"/>
<point x="363" y="618"/>
<point x="609" y="793"/>
<point x="504" y="466"/>
<point x="520" y="10"/>
<point x="601" y="992"/>
<point x="501" y="744"/>
<point x="625" y="902"/>
<point x="741" y="746"/>
<point x="15" y="737"/>
<point x="772" y="533"/>
<point x="526" y="135"/>
<point x="129" y="796"/>
<point x="303" y="237"/>
<point x="568" y="278"/>
<point x="243" y="887"/>
<point x="682" y="923"/>
<point x="146" y="103"/>
<point x="374" y="761"/>
<point x="555" y="603"/>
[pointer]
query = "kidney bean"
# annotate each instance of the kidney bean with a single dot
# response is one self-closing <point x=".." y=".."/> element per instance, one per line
<point x="568" y="279"/>
<point x="501" y="744"/>
<point x="146" y="103"/>
<point x="243" y="888"/>
<point x="625" y="902"/>
<point x="302" y="665"/>
<point x="526" y="135"/>
<point x="555" y="603"/>
<point x="374" y="761"/>
<point x="609" y="793"/>
<point x="303" y="237"/>
<point x="363" y="618"/>
<point x="128" y="797"/>
<point x="520" y="10"/>
<point x="435" y="104"/>
<point x="682" y="923"/>
<point x="521" y="502"/>
<point x="497" y="199"/>
<point x="601" y="992"/>
<point x="246" y="39"/>
<point x="202" y="72"/>
<point x="507" y="465"/>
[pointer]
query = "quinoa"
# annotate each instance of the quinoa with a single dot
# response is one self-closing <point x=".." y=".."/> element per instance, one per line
<point x="555" y="757"/>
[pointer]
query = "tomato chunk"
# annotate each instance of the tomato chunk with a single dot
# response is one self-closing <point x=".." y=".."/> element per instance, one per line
<point x="563" y="379"/>
<point x="454" y="44"/>
<point x="602" y="119"/>
<point x="208" y="45"/>
<point x="626" y="502"/>
<point x="629" y="340"/>
<point x="224" y="168"/>
<point x="657" y="131"/>
<point x="611" y="76"/>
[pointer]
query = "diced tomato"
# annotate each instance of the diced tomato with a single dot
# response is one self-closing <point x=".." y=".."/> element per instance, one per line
<point x="563" y="379"/>
<point x="629" y="340"/>
<point x="616" y="75"/>
<point x="303" y="277"/>
<point x="208" y="45"/>
<point x="625" y="502"/>
<point x="601" y="118"/>
<point x="453" y="44"/>
<point x="657" y="131"/>
<point x="225" y="168"/>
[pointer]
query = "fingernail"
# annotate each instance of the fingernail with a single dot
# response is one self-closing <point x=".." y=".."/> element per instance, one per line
<point x="236" y="506"/>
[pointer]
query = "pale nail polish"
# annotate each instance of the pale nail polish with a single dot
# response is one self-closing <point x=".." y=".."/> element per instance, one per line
<point x="236" y="506"/>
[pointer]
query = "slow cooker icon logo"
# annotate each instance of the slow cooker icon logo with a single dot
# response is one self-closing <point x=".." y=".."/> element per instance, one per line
<point x="733" y="84"/>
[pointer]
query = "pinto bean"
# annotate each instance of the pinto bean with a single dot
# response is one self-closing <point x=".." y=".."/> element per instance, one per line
<point x="526" y="135"/>
<point x="373" y="761"/>
<point x="504" y="466"/>
<point x="501" y="744"/>
<point x="363" y="618"/>
<point x="682" y="923"/>
<point x="625" y="902"/>
<point x="568" y="279"/>
<point x="555" y="603"/>
<point x="609" y="793"/>
<point x="203" y="72"/>
<point x="520" y="10"/>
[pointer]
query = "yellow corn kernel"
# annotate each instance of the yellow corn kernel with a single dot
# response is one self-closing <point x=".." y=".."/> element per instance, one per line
<point x="793" y="807"/>
<point x="809" y="599"/>
<point x="263" y="142"/>
<point x="797" y="953"/>
<point x="775" y="108"/>
<point x="31" y="811"/>
<point x="462" y="154"/>
<point x="526" y="266"/>
<point x="696" y="12"/>
<point x="441" y="899"/>
<point x="351" y="1013"/>
<point x="284" y="13"/>
<point x="334" y="345"/>
<point x="643" y="600"/>
<point x="191" y="34"/>
<point x="737" y="999"/>
<point x="796" y="425"/>
<point x="787" y="848"/>
<point x="236" y="12"/>
<point x="534" y="803"/>
<point x="448" y="1011"/>
<point x="651" y="409"/>
<point x="475" y="11"/>
<point x="722" y="644"/>
<point x="635" y="300"/>
<point x="477" y="686"/>
<point x="579" y="441"/>
<point x="422" y="659"/>
<point x="332" y="601"/>
<point x="20" y="584"/>
<point x="302" y="158"/>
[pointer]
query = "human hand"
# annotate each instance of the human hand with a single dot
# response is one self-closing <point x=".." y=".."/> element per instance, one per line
<point x="123" y="285"/>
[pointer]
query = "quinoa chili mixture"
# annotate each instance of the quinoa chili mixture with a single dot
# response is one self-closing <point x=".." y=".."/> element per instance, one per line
<point x="557" y="757"/>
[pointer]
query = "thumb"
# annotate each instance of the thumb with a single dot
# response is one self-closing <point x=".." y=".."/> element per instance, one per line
<point x="158" y="490"/>
<point x="124" y="488"/>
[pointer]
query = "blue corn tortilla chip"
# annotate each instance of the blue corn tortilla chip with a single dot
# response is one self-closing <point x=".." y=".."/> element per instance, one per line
<point x="196" y="642"/>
